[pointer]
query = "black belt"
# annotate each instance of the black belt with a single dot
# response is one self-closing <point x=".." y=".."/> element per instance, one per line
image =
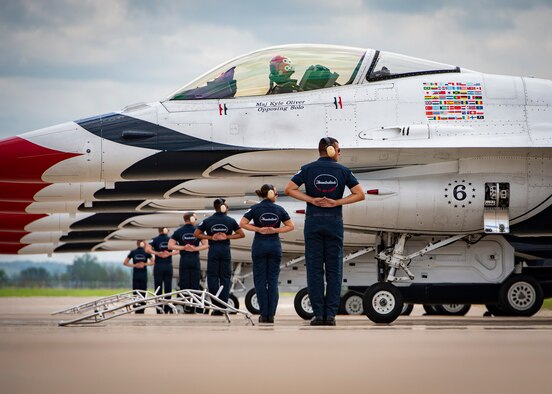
<point x="333" y="215"/>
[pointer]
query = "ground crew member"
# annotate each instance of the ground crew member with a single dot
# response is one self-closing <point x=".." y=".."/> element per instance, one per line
<point x="219" y="229"/>
<point x="266" y="251"/>
<point x="163" y="269"/>
<point x="140" y="261"/>
<point x="189" y="246"/>
<point x="325" y="182"/>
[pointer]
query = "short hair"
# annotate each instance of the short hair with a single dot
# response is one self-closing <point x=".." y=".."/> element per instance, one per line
<point x="187" y="216"/>
<point x="325" y="142"/>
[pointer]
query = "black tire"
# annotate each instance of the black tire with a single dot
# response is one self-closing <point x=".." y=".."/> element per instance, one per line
<point x="233" y="301"/>
<point x="382" y="303"/>
<point x="302" y="304"/>
<point x="429" y="309"/>
<point x="521" y="295"/>
<point x="251" y="302"/>
<point x="452" y="309"/>
<point x="407" y="309"/>
<point x="496" y="310"/>
<point x="352" y="303"/>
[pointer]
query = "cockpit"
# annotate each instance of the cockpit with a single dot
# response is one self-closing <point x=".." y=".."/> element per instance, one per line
<point x="302" y="68"/>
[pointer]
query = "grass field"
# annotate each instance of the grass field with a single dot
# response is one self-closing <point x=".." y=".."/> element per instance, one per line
<point x="45" y="292"/>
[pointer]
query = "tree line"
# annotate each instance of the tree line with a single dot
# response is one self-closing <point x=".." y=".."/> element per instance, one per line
<point x="84" y="272"/>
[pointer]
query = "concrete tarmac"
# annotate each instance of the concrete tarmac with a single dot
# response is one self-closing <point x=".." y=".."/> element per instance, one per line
<point x="204" y="354"/>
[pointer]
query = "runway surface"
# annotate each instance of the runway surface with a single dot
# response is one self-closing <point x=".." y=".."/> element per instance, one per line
<point x="205" y="354"/>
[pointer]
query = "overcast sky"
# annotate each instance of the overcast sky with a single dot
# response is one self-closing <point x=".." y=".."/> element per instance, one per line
<point x="66" y="60"/>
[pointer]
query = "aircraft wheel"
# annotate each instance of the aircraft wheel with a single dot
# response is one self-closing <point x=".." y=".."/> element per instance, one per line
<point x="521" y="295"/>
<point x="383" y="302"/>
<point x="430" y="309"/>
<point x="302" y="304"/>
<point x="352" y="303"/>
<point x="407" y="309"/>
<point x="233" y="301"/>
<point x="251" y="302"/>
<point x="452" y="309"/>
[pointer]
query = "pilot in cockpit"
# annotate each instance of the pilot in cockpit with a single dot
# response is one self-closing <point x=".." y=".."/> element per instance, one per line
<point x="281" y="69"/>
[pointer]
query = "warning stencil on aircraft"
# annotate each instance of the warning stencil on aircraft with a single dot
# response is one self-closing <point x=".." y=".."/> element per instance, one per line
<point x="453" y="101"/>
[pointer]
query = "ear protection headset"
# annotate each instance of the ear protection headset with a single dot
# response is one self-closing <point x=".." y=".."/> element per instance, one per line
<point x="142" y="244"/>
<point x="193" y="219"/>
<point x="165" y="230"/>
<point x="270" y="194"/>
<point x="330" y="150"/>
<point x="221" y="202"/>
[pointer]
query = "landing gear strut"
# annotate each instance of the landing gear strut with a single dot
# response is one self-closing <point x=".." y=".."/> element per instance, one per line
<point x="383" y="302"/>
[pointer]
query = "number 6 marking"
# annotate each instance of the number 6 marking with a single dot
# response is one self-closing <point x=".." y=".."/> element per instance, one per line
<point x="459" y="192"/>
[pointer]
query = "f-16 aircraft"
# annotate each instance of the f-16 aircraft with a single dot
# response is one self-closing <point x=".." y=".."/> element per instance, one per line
<point x="443" y="152"/>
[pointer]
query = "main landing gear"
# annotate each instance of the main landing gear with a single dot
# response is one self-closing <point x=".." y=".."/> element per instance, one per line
<point x="383" y="302"/>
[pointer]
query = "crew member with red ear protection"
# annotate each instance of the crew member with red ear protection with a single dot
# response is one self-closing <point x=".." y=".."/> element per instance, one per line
<point x="219" y="229"/>
<point x="189" y="246"/>
<point x="325" y="181"/>
<point x="266" y="251"/>
<point x="140" y="261"/>
<point x="163" y="269"/>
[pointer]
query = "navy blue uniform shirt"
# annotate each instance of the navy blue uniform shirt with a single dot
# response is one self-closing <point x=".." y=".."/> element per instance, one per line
<point x="218" y="223"/>
<point x="325" y="178"/>
<point x="185" y="236"/>
<point x="161" y="244"/>
<point x="139" y="255"/>
<point x="267" y="214"/>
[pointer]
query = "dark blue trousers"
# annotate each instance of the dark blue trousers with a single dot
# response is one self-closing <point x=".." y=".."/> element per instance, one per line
<point x="189" y="271"/>
<point x="219" y="270"/>
<point x="324" y="260"/>
<point x="266" y="255"/>
<point x="162" y="279"/>
<point x="140" y="282"/>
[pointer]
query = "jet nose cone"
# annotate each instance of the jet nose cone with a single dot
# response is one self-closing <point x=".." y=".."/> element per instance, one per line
<point x="24" y="161"/>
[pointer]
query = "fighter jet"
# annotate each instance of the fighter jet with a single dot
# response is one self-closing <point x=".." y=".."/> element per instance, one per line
<point x="442" y="151"/>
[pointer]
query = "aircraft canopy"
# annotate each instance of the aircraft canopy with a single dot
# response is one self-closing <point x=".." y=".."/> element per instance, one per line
<point x="277" y="70"/>
<point x="302" y="68"/>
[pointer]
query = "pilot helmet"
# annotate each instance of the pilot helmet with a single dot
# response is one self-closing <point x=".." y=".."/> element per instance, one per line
<point x="281" y="68"/>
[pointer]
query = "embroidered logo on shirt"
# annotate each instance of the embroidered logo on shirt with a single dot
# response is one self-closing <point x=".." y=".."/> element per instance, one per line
<point x="219" y="228"/>
<point x="188" y="238"/>
<point x="269" y="219"/>
<point x="325" y="183"/>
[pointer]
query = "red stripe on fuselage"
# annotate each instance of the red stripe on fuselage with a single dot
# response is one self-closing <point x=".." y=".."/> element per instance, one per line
<point x="12" y="237"/>
<point x="23" y="161"/>
<point x="10" y="248"/>
<point x="13" y="207"/>
<point x="20" y="192"/>
<point x="17" y="221"/>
